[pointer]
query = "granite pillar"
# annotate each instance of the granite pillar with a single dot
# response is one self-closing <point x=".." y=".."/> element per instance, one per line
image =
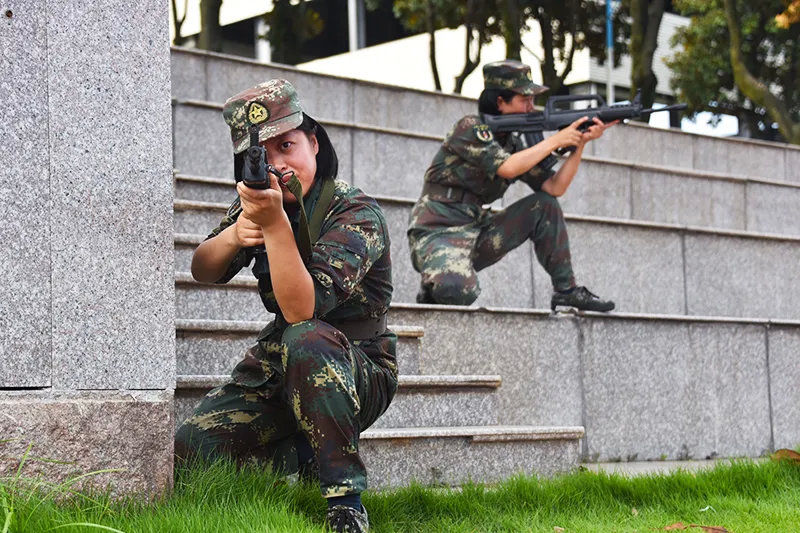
<point x="88" y="291"/>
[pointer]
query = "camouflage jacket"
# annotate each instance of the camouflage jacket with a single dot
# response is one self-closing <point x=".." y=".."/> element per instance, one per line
<point x="350" y="262"/>
<point x="469" y="158"/>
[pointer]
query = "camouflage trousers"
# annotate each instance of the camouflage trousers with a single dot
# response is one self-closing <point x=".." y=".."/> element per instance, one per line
<point x="448" y="257"/>
<point x="308" y="380"/>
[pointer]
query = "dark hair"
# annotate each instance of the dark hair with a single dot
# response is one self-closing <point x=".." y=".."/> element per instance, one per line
<point x="327" y="162"/>
<point x="487" y="102"/>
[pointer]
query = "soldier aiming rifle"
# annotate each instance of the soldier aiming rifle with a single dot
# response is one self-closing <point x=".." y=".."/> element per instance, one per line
<point x="452" y="236"/>
<point x="325" y="368"/>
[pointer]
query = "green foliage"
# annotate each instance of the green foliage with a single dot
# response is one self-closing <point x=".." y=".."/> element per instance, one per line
<point x="413" y="13"/>
<point x="702" y="72"/>
<point x="291" y="24"/>
<point x="571" y="26"/>
<point x="567" y="26"/>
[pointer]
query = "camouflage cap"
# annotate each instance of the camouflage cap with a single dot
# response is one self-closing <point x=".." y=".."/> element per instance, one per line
<point x="512" y="75"/>
<point x="273" y="106"/>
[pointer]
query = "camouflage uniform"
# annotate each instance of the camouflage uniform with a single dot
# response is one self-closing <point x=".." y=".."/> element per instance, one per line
<point x="308" y="379"/>
<point x="451" y="236"/>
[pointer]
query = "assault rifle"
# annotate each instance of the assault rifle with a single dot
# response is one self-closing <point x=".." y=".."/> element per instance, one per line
<point x="256" y="167"/>
<point x="255" y="172"/>
<point x="555" y="117"/>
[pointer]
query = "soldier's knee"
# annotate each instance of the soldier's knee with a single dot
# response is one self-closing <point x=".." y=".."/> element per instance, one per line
<point x="550" y="201"/>
<point x="311" y="338"/>
<point x="455" y="291"/>
<point x="548" y="204"/>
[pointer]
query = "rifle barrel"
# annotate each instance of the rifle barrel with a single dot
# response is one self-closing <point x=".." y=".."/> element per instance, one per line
<point x="674" y="107"/>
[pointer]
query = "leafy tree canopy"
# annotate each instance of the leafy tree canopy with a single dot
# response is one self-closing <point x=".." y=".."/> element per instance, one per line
<point x="567" y="27"/>
<point x="702" y="72"/>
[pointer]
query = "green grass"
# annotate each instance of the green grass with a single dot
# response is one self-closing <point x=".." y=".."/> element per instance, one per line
<point x="743" y="496"/>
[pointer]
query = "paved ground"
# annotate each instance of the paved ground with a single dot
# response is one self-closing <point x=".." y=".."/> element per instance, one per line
<point x="653" y="467"/>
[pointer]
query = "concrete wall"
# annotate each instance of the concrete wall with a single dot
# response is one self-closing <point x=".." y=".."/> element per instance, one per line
<point x="87" y="265"/>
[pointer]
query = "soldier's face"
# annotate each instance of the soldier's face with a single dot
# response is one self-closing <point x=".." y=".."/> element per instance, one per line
<point x="519" y="103"/>
<point x="294" y="151"/>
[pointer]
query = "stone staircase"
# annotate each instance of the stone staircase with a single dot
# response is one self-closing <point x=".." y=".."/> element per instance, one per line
<point x="697" y="240"/>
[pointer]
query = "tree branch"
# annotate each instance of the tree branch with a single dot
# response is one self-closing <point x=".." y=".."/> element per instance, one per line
<point x="431" y="16"/>
<point x="752" y="87"/>
<point x="178" y="22"/>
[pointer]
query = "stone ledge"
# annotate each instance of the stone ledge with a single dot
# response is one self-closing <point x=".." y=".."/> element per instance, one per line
<point x="479" y="433"/>
<point x="686" y="172"/>
<point x="196" y="205"/>
<point x="246" y="326"/>
<point x="237" y="59"/>
<point x="406" y="382"/>
<point x="127" y="432"/>
<point x="289" y="68"/>
<point x="245" y="281"/>
<point x="648" y="468"/>
<point x="452" y="458"/>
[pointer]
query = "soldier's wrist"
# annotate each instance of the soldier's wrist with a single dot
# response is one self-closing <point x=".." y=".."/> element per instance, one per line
<point x="280" y="220"/>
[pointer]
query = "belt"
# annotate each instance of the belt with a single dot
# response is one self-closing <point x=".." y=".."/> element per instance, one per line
<point x="355" y="330"/>
<point x="362" y="328"/>
<point x="449" y="193"/>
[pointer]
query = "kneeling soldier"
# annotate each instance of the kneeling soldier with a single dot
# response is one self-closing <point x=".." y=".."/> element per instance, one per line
<point x="451" y="236"/>
<point x="325" y="368"/>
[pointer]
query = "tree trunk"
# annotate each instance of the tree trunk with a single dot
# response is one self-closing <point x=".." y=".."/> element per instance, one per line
<point x="512" y="30"/>
<point x="548" y="66"/>
<point x="210" y="30"/>
<point x="469" y="63"/>
<point x="753" y="88"/>
<point x="432" y="47"/>
<point x="178" y="22"/>
<point x="646" y="15"/>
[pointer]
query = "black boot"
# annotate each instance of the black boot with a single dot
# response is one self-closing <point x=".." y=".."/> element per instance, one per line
<point x="580" y="298"/>
<point x="424" y="295"/>
<point x="308" y="472"/>
<point x="341" y="518"/>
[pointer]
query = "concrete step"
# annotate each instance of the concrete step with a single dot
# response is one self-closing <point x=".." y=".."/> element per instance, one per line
<point x="392" y="163"/>
<point x="621" y="190"/>
<point x="209" y="347"/>
<point x="208" y="77"/>
<point x="645" y="387"/>
<point x="455" y="455"/>
<point x="674" y="148"/>
<point x="198" y="75"/>
<point x="420" y="401"/>
<point x="643" y="267"/>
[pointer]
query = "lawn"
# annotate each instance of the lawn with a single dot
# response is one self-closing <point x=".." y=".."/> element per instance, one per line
<point x="741" y="496"/>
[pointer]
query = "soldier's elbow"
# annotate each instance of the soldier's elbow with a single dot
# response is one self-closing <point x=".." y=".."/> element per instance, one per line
<point x="298" y="314"/>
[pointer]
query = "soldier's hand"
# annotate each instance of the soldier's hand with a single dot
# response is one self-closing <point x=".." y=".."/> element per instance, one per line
<point x="596" y="130"/>
<point x="264" y="207"/>
<point x="569" y="136"/>
<point x="248" y="233"/>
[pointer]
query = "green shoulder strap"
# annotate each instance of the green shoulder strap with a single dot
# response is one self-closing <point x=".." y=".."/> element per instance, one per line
<point x="307" y="234"/>
<point x="321" y="209"/>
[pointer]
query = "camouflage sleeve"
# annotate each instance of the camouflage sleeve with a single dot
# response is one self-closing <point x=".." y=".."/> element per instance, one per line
<point x="352" y="240"/>
<point x="244" y="256"/>
<point x="472" y="141"/>
<point x="536" y="176"/>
